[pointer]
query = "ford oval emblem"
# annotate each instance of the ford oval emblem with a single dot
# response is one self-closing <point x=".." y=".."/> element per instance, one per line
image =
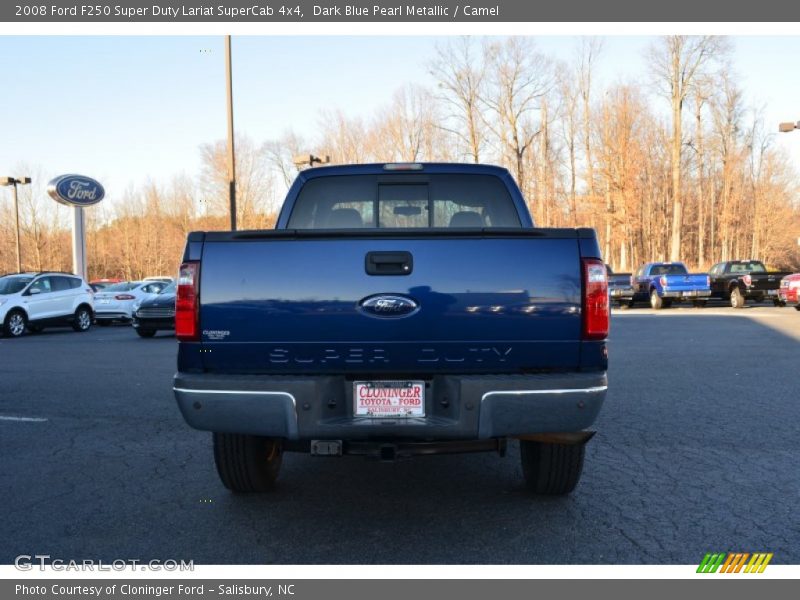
<point x="75" y="190"/>
<point x="388" y="306"/>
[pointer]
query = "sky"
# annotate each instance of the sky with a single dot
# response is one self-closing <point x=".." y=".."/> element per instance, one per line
<point x="127" y="109"/>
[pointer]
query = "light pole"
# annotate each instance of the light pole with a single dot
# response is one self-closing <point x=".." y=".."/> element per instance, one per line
<point x="786" y="128"/>
<point x="15" y="181"/>
<point x="231" y="154"/>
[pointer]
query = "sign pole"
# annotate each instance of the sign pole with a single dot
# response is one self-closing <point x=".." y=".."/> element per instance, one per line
<point x="77" y="191"/>
<point x="19" y="248"/>
<point x="79" y="242"/>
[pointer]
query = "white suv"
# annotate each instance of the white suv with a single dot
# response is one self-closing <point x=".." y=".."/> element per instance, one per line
<point x="33" y="301"/>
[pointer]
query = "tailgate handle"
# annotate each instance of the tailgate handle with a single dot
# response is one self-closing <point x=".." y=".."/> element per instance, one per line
<point x="389" y="263"/>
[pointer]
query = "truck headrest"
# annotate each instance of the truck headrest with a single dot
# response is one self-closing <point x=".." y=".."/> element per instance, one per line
<point x="466" y="218"/>
<point x="345" y="218"/>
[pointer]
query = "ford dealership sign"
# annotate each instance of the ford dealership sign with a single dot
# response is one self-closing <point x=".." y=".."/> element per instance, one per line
<point x="75" y="190"/>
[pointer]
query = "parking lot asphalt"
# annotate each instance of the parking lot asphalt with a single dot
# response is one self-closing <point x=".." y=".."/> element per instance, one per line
<point x="696" y="451"/>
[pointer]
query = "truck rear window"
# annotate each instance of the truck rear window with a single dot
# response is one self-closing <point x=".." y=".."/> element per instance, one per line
<point x="374" y="201"/>
<point x="753" y="266"/>
<point x="670" y="269"/>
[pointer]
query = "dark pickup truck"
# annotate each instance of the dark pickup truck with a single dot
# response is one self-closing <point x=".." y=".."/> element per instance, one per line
<point x="620" y="288"/>
<point x="395" y="310"/>
<point x="740" y="280"/>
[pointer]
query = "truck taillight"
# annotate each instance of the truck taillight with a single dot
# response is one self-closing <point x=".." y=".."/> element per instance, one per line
<point x="187" y="303"/>
<point x="595" y="300"/>
<point x="708" y="281"/>
<point x="748" y="281"/>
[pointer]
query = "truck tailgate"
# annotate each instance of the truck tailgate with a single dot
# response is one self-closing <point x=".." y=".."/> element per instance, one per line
<point x="684" y="283"/>
<point x="766" y="281"/>
<point x="485" y="303"/>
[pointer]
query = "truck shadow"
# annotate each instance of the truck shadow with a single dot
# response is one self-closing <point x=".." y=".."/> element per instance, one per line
<point x="699" y="421"/>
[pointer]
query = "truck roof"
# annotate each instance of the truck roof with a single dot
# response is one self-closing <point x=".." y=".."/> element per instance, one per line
<point x="403" y="167"/>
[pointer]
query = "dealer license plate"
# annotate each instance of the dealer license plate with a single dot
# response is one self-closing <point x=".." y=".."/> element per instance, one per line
<point x="389" y="398"/>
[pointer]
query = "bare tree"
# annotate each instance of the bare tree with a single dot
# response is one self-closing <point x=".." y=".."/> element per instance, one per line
<point x="588" y="54"/>
<point x="253" y="177"/>
<point x="677" y="61"/>
<point x="520" y="77"/>
<point x="405" y="125"/>
<point x="460" y="76"/>
<point x="568" y="97"/>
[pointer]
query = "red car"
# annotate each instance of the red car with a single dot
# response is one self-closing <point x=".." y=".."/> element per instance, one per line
<point x="789" y="292"/>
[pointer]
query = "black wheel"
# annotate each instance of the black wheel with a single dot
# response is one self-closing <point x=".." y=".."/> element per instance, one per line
<point x="103" y="322"/>
<point x="247" y="463"/>
<point x="797" y="306"/>
<point x="551" y="469"/>
<point x="737" y="298"/>
<point x="145" y="333"/>
<point x="779" y="303"/>
<point x="656" y="302"/>
<point x="15" y="323"/>
<point x="82" y="320"/>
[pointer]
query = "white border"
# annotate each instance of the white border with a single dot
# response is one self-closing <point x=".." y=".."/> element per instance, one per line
<point x="300" y="572"/>
<point x="404" y="28"/>
<point x="397" y="28"/>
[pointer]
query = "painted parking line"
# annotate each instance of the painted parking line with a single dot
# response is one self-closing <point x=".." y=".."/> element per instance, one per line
<point x="696" y="313"/>
<point x="23" y="419"/>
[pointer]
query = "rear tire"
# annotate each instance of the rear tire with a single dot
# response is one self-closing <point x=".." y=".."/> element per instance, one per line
<point x="797" y="306"/>
<point x="551" y="469"/>
<point x="737" y="298"/>
<point x="15" y="324"/>
<point x="82" y="321"/>
<point x="247" y="463"/>
<point x="656" y="302"/>
<point x="146" y="333"/>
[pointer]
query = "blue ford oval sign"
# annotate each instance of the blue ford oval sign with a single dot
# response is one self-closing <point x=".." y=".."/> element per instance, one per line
<point x="388" y="305"/>
<point x="75" y="190"/>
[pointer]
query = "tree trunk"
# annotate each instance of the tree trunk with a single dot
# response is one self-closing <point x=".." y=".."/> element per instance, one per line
<point x="701" y="233"/>
<point x="677" y="207"/>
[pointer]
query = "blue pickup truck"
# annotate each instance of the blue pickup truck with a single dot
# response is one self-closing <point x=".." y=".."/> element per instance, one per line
<point x="395" y="310"/>
<point x="661" y="283"/>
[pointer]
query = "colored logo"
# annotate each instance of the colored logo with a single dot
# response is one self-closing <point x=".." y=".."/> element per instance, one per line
<point x="734" y="562"/>
<point x="387" y="305"/>
<point x="75" y="190"/>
